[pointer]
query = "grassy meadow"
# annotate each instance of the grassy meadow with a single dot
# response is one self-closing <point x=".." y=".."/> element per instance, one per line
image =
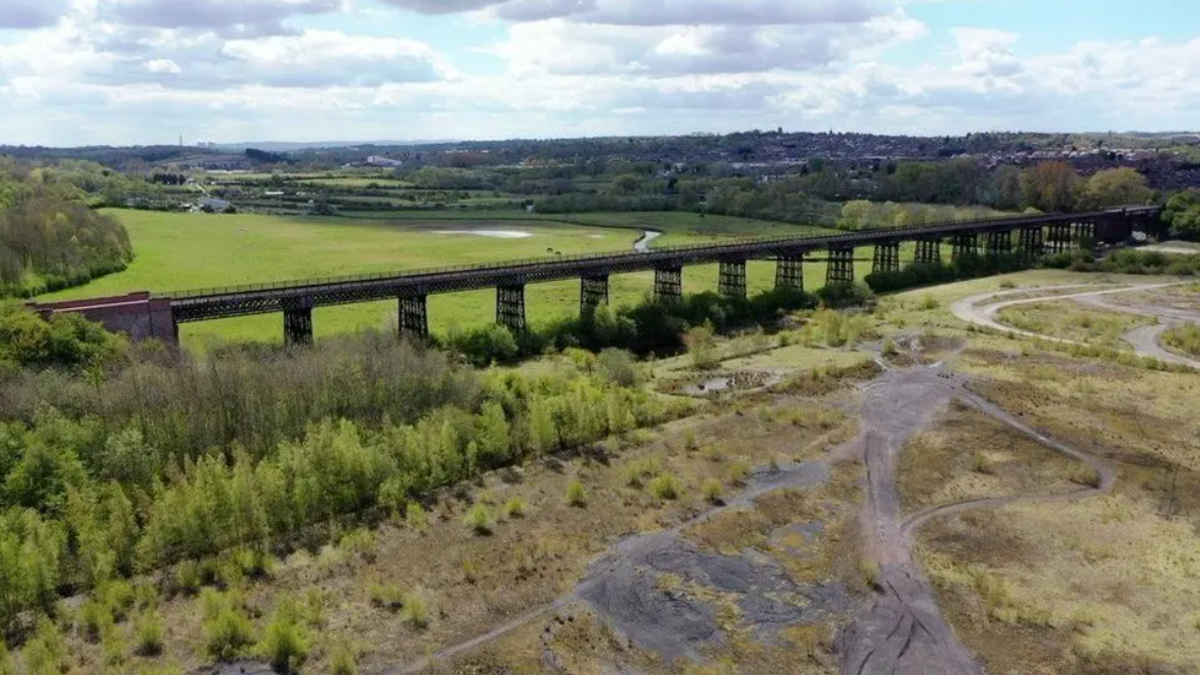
<point x="177" y="251"/>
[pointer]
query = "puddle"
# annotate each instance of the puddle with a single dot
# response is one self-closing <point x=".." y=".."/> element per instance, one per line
<point x="493" y="234"/>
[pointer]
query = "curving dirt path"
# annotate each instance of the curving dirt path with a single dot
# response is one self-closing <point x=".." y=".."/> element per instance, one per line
<point x="1145" y="340"/>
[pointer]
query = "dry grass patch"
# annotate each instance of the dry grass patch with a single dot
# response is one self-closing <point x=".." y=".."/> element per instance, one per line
<point x="1069" y="320"/>
<point x="967" y="455"/>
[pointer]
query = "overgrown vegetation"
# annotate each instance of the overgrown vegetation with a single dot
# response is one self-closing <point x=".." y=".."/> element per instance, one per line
<point x="927" y="274"/>
<point x="1185" y="339"/>
<point x="158" y="460"/>
<point x="1127" y="261"/>
<point x="50" y="239"/>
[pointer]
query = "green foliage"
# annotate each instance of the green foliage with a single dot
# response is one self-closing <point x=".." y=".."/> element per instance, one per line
<point x="926" y="274"/>
<point x="49" y="239"/>
<point x="46" y="652"/>
<point x="1122" y="186"/>
<point x="7" y="665"/>
<point x="416" y="517"/>
<point x="416" y="609"/>
<point x="1183" y="214"/>
<point x="711" y="490"/>
<point x="479" y="519"/>
<point x="576" y="494"/>
<point x="1127" y="261"/>
<point x="619" y="367"/>
<point x="30" y="564"/>
<point x="227" y="629"/>
<point x="386" y="596"/>
<point x="66" y="340"/>
<point x="515" y="508"/>
<point x="889" y="347"/>
<point x="285" y="642"/>
<point x="702" y="346"/>
<point x="359" y="544"/>
<point x="637" y="472"/>
<point x="343" y="661"/>
<point x="665" y="487"/>
<point x="1185" y="339"/>
<point x="95" y="619"/>
<point x="148" y="634"/>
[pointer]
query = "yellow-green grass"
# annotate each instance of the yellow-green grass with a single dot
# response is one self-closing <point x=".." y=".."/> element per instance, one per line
<point x="1068" y="320"/>
<point x="1185" y="339"/>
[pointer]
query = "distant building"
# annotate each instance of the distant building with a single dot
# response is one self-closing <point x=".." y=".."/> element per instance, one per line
<point x="378" y="160"/>
<point x="213" y="205"/>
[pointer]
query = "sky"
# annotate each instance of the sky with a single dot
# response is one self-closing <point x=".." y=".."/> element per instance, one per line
<point x="141" y="72"/>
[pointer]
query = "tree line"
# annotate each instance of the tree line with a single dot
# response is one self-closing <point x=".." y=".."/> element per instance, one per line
<point x="49" y="237"/>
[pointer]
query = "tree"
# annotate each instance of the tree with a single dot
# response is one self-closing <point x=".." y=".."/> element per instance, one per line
<point x="1114" y="187"/>
<point x="1050" y="187"/>
<point x="1183" y="214"/>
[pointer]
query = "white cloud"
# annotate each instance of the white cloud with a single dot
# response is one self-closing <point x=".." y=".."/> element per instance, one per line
<point x="163" y="66"/>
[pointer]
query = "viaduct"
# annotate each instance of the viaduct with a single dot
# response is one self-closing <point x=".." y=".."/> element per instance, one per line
<point x="145" y="315"/>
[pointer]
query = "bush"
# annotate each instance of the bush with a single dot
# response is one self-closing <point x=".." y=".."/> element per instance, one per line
<point x="149" y="635"/>
<point x="95" y="620"/>
<point x="479" y="520"/>
<point x="187" y="577"/>
<point x="576" y="494"/>
<point x="416" y="517"/>
<point x="227" y="629"/>
<point x="889" y="347"/>
<point x="702" y="345"/>
<point x="45" y="653"/>
<point x="344" y="661"/>
<point x="665" y="487"/>
<point x="515" y="508"/>
<point x="284" y="644"/>
<point x="359" y="544"/>
<point x="7" y="666"/>
<point x="619" y="367"/>
<point x="387" y="596"/>
<point x="711" y="489"/>
<point x="416" y="609"/>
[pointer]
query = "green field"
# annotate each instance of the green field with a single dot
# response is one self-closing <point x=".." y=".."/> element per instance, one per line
<point x="188" y="251"/>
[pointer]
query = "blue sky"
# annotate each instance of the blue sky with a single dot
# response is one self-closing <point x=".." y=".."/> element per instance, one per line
<point x="146" y="71"/>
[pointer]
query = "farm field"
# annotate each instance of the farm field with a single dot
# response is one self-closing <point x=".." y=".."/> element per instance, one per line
<point x="189" y="251"/>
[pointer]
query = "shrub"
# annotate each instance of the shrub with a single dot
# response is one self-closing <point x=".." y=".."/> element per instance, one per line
<point x="387" y="596"/>
<point x="640" y="470"/>
<point x="227" y="629"/>
<point x="702" y="345"/>
<point x="928" y="302"/>
<point x="889" y="347"/>
<point x="981" y="463"/>
<point x="187" y="577"/>
<point x="738" y="473"/>
<point x="284" y="644"/>
<point x="514" y="508"/>
<point x="619" y="367"/>
<point x="665" y="487"/>
<point x="46" y="652"/>
<point x="7" y="667"/>
<point x="343" y="661"/>
<point x="576" y="494"/>
<point x="1008" y="284"/>
<point x="149" y="635"/>
<point x="416" y="609"/>
<point x="479" y="520"/>
<point x="359" y="544"/>
<point x="416" y="517"/>
<point x="1085" y="474"/>
<point x="112" y="649"/>
<point x="95" y="620"/>
<point x="711" y="489"/>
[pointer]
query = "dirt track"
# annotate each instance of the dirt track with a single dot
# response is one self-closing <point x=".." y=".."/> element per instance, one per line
<point x="1144" y="340"/>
